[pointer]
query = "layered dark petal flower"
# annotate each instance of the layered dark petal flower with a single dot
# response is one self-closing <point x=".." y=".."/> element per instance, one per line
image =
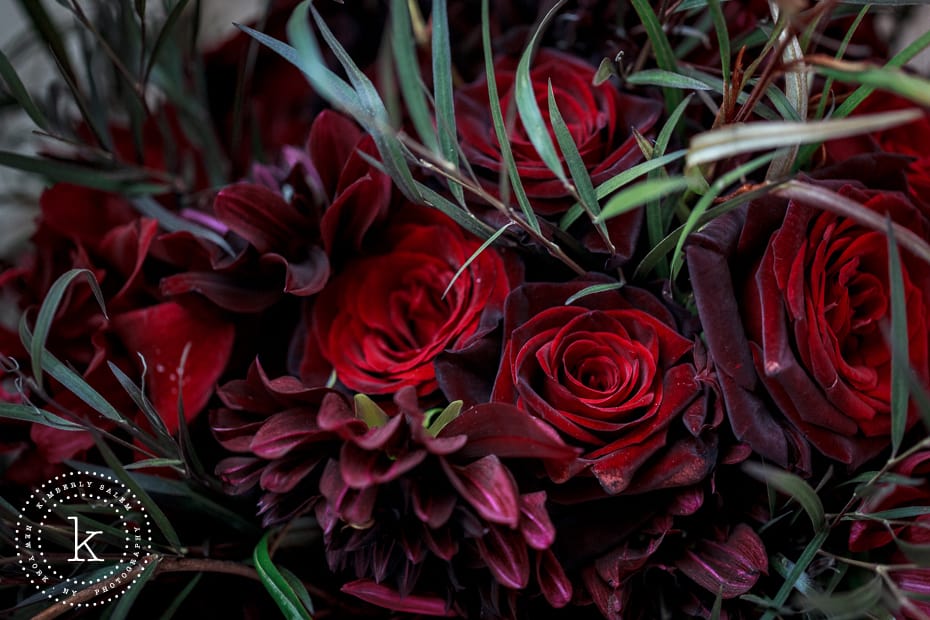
<point x="730" y="566"/>
<point x="613" y="376"/>
<point x="600" y="119"/>
<point x="378" y="347"/>
<point x="793" y="302"/>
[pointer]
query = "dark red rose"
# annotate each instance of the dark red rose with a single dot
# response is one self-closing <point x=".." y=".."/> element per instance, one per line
<point x="794" y="302"/>
<point x="910" y="139"/>
<point x="612" y="374"/>
<point x="381" y="323"/>
<point x="599" y="118"/>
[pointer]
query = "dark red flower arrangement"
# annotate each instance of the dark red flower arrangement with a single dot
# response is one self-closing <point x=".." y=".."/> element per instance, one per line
<point x="340" y="359"/>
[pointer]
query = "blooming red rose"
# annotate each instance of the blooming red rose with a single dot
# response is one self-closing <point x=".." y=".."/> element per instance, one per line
<point x="794" y="302"/>
<point x="599" y="118"/>
<point x="381" y="322"/>
<point x="612" y="374"/>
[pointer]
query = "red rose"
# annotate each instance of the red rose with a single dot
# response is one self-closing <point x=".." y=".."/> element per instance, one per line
<point x="794" y="302"/>
<point x="612" y="375"/>
<point x="599" y="118"/>
<point x="383" y="320"/>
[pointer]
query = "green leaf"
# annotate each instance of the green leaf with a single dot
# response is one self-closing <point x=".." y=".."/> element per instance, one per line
<point x="707" y="200"/>
<point x="20" y="94"/>
<point x="48" y="310"/>
<point x="665" y="57"/>
<point x="141" y="401"/>
<point x="576" y="166"/>
<point x="31" y="413"/>
<point x="45" y="27"/>
<point x="161" y="521"/>
<point x="807" y="556"/>
<point x="442" y="92"/>
<point x="665" y="79"/>
<point x="828" y="84"/>
<point x="605" y="70"/>
<point x="527" y="106"/>
<point x="917" y="553"/>
<point x="127" y="182"/>
<point x="146" y="463"/>
<point x="129" y="595"/>
<point x="278" y="587"/>
<point x="848" y="605"/>
<point x="164" y="36"/>
<point x="490" y="240"/>
<point x="593" y="290"/>
<point x="71" y="380"/>
<point x="744" y="138"/>
<point x="891" y="79"/>
<point x="891" y="514"/>
<point x="723" y="37"/>
<point x="411" y="84"/>
<point x="299" y="588"/>
<point x="447" y="415"/>
<point x="173" y="223"/>
<point x="794" y="487"/>
<point x="614" y="183"/>
<point x="665" y="134"/>
<point x="368" y="411"/>
<point x="797" y="93"/>
<point x="900" y="356"/>
<point x="641" y="193"/>
<point x="178" y="599"/>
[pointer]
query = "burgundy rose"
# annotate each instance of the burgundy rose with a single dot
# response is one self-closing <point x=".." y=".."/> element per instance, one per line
<point x="612" y="374"/>
<point x="795" y="303"/>
<point x="599" y="118"/>
<point x="381" y="323"/>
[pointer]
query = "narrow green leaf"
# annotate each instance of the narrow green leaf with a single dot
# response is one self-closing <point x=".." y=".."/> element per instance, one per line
<point x="665" y="79"/>
<point x="45" y="26"/>
<point x="793" y="486"/>
<point x="178" y="599"/>
<point x="807" y="556"/>
<point x="665" y="134"/>
<point x="127" y="182"/>
<point x="299" y="588"/>
<point x="461" y="217"/>
<point x="475" y="254"/>
<point x="855" y="603"/>
<point x="891" y="514"/>
<point x="916" y="553"/>
<point x="892" y="79"/>
<point x="744" y="138"/>
<point x="451" y="412"/>
<point x="667" y="244"/>
<point x="723" y="37"/>
<point x="576" y="166"/>
<point x="20" y="94"/>
<point x="137" y="394"/>
<point x="605" y="70"/>
<point x="900" y="356"/>
<point x="185" y="443"/>
<point x="797" y="93"/>
<point x="146" y="463"/>
<point x="500" y="129"/>
<point x="31" y="413"/>
<point x="593" y="290"/>
<point x="368" y="411"/>
<point x="641" y="193"/>
<point x="48" y="310"/>
<point x="716" y="188"/>
<point x="411" y="84"/>
<point x="665" y="57"/>
<point x="278" y="587"/>
<point x="128" y="596"/>
<point x="783" y="566"/>
<point x="442" y="92"/>
<point x="71" y="380"/>
<point x="161" y="521"/>
<point x="527" y="106"/>
<point x="614" y="183"/>
<point x="828" y="84"/>
<point x="172" y="223"/>
<point x="164" y="36"/>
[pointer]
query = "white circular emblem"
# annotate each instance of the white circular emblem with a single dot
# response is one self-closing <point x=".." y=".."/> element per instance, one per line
<point x="83" y="531"/>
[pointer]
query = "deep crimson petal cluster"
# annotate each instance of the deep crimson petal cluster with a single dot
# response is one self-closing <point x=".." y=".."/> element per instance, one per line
<point x="811" y="365"/>
<point x="599" y="118"/>
<point x="380" y="347"/>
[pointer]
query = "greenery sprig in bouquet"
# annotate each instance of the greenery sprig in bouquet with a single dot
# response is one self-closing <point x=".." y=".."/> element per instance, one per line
<point x="497" y="309"/>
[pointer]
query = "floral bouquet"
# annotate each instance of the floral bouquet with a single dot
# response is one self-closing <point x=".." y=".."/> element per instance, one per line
<point x="503" y="309"/>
